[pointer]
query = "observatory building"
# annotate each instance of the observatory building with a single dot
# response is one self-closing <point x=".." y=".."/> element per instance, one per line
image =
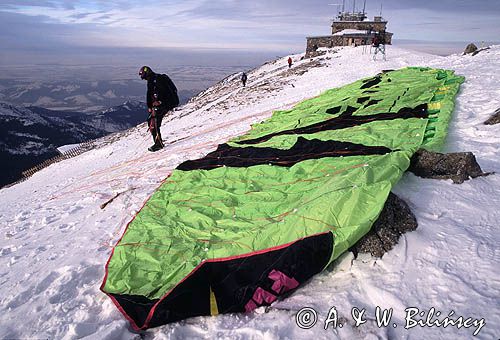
<point x="350" y="28"/>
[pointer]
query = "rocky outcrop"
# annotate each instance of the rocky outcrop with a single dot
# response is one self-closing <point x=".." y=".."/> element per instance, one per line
<point x="480" y="50"/>
<point x="494" y="119"/>
<point x="457" y="166"/>
<point x="471" y="48"/>
<point x="314" y="54"/>
<point x="395" y="219"/>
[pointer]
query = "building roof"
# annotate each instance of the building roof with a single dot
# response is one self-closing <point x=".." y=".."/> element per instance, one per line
<point x="357" y="21"/>
<point x="320" y="36"/>
<point x="350" y="31"/>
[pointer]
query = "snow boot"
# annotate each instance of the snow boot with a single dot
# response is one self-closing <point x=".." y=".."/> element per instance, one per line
<point x="155" y="147"/>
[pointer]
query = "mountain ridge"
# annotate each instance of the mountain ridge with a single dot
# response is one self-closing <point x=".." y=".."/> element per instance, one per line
<point x="31" y="135"/>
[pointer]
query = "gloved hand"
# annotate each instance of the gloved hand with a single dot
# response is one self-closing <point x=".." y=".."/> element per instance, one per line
<point x="150" y="117"/>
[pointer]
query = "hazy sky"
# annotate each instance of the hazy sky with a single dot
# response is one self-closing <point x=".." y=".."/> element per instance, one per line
<point x="214" y="31"/>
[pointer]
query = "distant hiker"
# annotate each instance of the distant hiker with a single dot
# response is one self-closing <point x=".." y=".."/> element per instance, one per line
<point x="161" y="97"/>
<point x="379" y="44"/>
<point x="289" y="62"/>
<point x="244" y="78"/>
<point x="369" y="34"/>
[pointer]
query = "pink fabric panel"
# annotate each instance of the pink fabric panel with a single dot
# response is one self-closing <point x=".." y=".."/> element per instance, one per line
<point x="282" y="283"/>
<point x="250" y="306"/>
<point x="261" y="295"/>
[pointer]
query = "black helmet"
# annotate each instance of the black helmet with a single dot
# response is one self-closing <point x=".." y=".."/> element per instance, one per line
<point x="145" y="72"/>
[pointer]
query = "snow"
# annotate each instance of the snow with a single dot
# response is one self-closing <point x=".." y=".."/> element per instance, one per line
<point x="65" y="88"/>
<point x="95" y="95"/>
<point x="21" y="114"/>
<point x="55" y="238"/>
<point x="65" y="148"/>
<point x="26" y="135"/>
<point x="23" y="89"/>
<point x="79" y="100"/>
<point x="46" y="101"/>
<point x="109" y="94"/>
<point x="350" y="31"/>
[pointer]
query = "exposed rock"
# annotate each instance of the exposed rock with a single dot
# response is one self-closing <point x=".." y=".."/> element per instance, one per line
<point x="480" y="50"/>
<point x="458" y="166"/>
<point x="494" y="119"/>
<point x="395" y="219"/>
<point x="471" y="48"/>
<point x="314" y="54"/>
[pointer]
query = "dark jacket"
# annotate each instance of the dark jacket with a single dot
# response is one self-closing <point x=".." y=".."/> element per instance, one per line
<point x="378" y="40"/>
<point x="165" y="90"/>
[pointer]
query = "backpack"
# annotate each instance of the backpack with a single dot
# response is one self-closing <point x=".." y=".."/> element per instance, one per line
<point x="170" y="91"/>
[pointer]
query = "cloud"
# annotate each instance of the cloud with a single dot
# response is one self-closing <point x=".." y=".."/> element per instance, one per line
<point x="447" y="26"/>
<point x="270" y="25"/>
<point x="183" y="24"/>
<point x="445" y="6"/>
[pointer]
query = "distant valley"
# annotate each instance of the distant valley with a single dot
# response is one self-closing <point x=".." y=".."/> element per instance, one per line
<point x="95" y="88"/>
<point x="30" y="135"/>
<point x="77" y="96"/>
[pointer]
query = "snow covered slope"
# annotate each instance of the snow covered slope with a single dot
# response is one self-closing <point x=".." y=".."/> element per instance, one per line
<point x="56" y="238"/>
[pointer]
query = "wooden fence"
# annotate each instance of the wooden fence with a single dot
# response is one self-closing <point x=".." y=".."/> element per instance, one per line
<point x="78" y="150"/>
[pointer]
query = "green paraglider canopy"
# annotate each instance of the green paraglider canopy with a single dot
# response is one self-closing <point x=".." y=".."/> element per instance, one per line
<point x="266" y="211"/>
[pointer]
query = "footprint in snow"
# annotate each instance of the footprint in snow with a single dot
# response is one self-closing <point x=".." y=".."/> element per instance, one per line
<point x="22" y="216"/>
<point x="68" y="285"/>
<point x="7" y="250"/>
<point x="487" y="251"/>
<point x="46" y="220"/>
<point x="18" y="229"/>
<point x="103" y="248"/>
<point x="41" y="249"/>
<point x="75" y="209"/>
<point x="13" y="260"/>
<point x="46" y="282"/>
<point x="65" y="227"/>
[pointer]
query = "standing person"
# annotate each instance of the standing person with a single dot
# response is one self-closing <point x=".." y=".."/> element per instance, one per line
<point x="379" y="44"/>
<point x="369" y="39"/>
<point x="161" y="97"/>
<point x="289" y="62"/>
<point x="244" y="79"/>
<point x="364" y="42"/>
